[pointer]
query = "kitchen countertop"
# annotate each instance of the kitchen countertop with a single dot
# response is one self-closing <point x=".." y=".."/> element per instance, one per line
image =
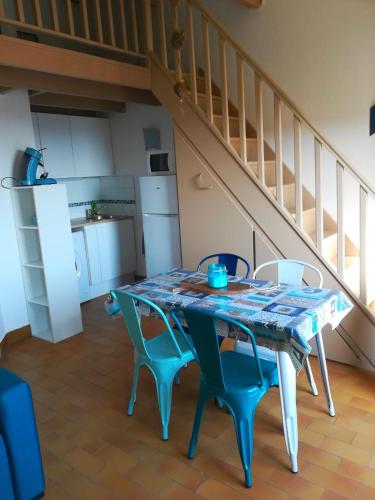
<point x="82" y="221"/>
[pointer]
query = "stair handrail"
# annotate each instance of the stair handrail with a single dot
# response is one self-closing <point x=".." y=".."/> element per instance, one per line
<point x="284" y="98"/>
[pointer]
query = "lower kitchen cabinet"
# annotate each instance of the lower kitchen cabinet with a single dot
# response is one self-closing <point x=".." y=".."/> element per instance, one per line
<point x="110" y="251"/>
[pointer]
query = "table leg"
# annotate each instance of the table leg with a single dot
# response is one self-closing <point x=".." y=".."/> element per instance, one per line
<point x="287" y="387"/>
<point x="324" y="372"/>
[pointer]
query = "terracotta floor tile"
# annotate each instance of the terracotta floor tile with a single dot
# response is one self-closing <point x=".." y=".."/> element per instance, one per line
<point x="84" y="462"/>
<point x="330" y="480"/>
<point x="333" y="430"/>
<point x="176" y="491"/>
<point x="213" y="490"/>
<point x="358" y="473"/>
<point x="347" y="451"/>
<point x="81" y="488"/>
<point x="93" y="450"/>
<point x="116" y="458"/>
<point x="292" y="483"/>
<point x="121" y="486"/>
<point x="148" y="477"/>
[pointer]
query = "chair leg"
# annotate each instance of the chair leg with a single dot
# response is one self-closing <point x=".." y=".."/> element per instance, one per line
<point x="133" y="396"/>
<point x="177" y="378"/>
<point x="310" y="377"/>
<point x="164" y="391"/>
<point x="244" y="425"/>
<point x="324" y="373"/>
<point x="201" y="403"/>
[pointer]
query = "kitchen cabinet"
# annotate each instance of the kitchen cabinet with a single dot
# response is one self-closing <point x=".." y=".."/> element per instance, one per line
<point x="76" y="146"/>
<point x="110" y="250"/>
<point x="55" y="136"/>
<point x="92" y="147"/>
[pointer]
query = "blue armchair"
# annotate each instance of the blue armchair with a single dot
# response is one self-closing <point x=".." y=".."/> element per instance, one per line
<point x="21" y="468"/>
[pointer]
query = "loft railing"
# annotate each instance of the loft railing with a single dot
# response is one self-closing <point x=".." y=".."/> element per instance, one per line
<point x="116" y="25"/>
<point x="211" y="54"/>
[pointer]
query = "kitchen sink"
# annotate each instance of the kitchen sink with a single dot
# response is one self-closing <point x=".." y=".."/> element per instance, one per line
<point x="102" y="217"/>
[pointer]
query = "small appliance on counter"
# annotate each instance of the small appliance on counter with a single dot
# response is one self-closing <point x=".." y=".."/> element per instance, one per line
<point x="33" y="158"/>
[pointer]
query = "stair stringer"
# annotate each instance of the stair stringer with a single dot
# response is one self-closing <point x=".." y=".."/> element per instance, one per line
<point x="245" y="188"/>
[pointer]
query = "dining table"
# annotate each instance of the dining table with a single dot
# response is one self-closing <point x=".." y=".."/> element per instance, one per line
<point x="283" y="318"/>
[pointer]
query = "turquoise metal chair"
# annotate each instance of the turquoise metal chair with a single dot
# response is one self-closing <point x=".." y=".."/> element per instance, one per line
<point x="240" y="381"/>
<point x="164" y="355"/>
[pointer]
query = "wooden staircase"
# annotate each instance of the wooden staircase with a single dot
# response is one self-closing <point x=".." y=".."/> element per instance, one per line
<point x="329" y="244"/>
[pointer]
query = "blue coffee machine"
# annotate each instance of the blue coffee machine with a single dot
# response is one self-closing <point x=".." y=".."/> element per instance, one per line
<point x="33" y="158"/>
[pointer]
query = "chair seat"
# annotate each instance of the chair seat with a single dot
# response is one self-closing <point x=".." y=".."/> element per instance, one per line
<point x="241" y="374"/>
<point x="162" y="347"/>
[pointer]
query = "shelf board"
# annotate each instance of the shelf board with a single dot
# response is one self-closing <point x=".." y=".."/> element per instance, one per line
<point x="28" y="227"/>
<point x="44" y="335"/>
<point x="36" y="263"/>
<point x="42" y="300"/>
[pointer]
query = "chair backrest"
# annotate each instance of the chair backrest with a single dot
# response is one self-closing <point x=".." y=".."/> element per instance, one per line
<point x="127" y="303"/>
<point x="230" y="261"/>
<point x="202" y="328"/>
<point x="291" y="271"/>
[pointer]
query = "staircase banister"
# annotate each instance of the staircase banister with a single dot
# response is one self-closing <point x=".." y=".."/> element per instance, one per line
<point x="285" y="99"/>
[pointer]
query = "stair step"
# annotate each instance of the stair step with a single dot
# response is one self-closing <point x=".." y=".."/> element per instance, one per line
<point x="201" y="87"/>
<point x="216" y="103"/>
<point x="270" y="173"/>
<point x="252" y="151"/>
<point x="234" y="125"/>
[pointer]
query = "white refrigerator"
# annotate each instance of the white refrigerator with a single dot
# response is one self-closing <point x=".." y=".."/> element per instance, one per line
<point x="161" y="247"/>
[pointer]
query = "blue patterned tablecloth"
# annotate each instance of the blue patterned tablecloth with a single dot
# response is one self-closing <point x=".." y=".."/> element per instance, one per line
<point x="282" y="317"/>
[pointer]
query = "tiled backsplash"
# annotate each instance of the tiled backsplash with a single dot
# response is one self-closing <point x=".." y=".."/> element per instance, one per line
<point x="113" y="195"/>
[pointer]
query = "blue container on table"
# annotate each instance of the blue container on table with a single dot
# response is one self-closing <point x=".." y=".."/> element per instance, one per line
<point x="217" y="276"/>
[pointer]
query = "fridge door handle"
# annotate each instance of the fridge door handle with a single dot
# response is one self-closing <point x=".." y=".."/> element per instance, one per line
<point x="143" y="244"/>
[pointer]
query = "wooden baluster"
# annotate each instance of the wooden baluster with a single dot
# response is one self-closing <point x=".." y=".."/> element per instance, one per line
<point x="134" y="26"/>
<point x="69" y="13"/>
<point x="192" y="63"/>
<point x="123" y="29"/>
<point x="340" y="220"/>
<point x="177" y="52"/>
<point x="278" y="150"/>
<point x="207" y="68"/>
<point x="85" y="20"/>
<point x="38" y="13"/>
<point x="20" y="11"/>
<point x="224" y="88"/>
<point x="55" y="16"/>
<point x="319" y="223"/>
<point x="148" y="26"/>
<point x="98" y="19"/>
<point x="260" y="128"/>
<point x="298" y="171"/>
<point x="111" y="26"/>
<point x="2" y="9"/>
<point x="363" y="232"/>
<point x="162" y="35"/>
<point x="241" y="107"/>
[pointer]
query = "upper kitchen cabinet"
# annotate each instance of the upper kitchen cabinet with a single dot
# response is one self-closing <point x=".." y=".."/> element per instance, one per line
<point x="54" y="131"/>
<point x="92" y="147"/>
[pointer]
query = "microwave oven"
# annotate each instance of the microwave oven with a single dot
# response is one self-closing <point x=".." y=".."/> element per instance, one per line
<point x="158" y="162"/>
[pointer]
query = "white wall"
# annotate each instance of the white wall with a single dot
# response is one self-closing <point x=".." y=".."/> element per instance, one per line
<point x="16" y="133"/>
<point x="127" y="136"/>
<point x="321" y="54"/>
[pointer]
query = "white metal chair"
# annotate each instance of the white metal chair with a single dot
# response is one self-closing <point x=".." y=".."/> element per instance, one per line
<point x="291" y="272"/>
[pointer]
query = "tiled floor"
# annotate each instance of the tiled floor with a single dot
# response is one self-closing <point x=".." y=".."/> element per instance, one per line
<point x="92" y="450"/>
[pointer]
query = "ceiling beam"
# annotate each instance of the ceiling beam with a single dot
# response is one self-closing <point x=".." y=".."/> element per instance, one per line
<point x="254" y="4"/>
<point x="75" y="102"/>
<point x="43" y="82"/>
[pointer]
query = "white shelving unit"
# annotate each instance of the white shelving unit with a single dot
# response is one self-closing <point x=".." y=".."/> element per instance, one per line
<point x="48" y="267"/>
